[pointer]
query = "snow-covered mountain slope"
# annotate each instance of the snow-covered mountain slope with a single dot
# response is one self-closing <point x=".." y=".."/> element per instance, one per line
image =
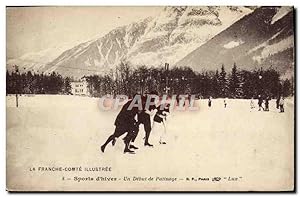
<point x="281" y="12"/>
<point x="171" y="35"/>
<point x="179" y="30"/>
<point x="263" y="38"/>
<point x="200" y="37"/>
<point x="36" y="61"/>
<point x="99" y="54"/>
<point x="168" y="37"/>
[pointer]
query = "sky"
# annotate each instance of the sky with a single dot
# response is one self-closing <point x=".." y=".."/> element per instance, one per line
<point x="32" y="29"/>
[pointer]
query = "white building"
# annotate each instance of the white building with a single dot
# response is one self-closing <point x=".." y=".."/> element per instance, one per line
<point x="80" y="87"/>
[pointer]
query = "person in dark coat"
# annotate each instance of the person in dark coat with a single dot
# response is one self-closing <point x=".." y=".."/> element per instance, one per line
<point x="125" y="123"/>
<point x="209" y="102"/>
<point x="267" y="104"/>
<point x="225" y="102"/>
<point x="260" y="102"/>
<point x="177" y="99"/>
<point x="144" y="117"/>
<point x="277" y="102"/>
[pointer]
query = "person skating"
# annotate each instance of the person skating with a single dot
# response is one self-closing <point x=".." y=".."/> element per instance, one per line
<point x="209" y="102"/>
<point x="125" y="122"/>
<point x="260" y="102"/>
<point x="160" y="117"/>
<point x="177" y="99"/>
<point x="145" y="117"/>
<point x="225" y="102"/>
<point x="252" y="106"/>
<point x="267" y="104"/>
<point x="281" y="104"/>
<point x="277" y="102"/>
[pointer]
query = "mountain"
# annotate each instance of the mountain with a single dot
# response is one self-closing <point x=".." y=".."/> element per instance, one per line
<point x="36" y="61"/>
<point x="263" y="38"/>
<point x="98" y="55"/>
<point x="168" y="37"/>
<point x="179" y="30"/>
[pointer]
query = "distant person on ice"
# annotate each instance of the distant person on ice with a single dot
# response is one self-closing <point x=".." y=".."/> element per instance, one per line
<point x="177" y="99"/>
<point x="260" y="102"/>
<point x="277" y="102"/>
<point x="252" y="106"/>
<point x="160" y="117"/>
<point x="281" y="104"/>
<point x="209" y="102"/>
<point x="225" y="102"/>
<point x="267" y="103"/>
<point x="125" y="122"/>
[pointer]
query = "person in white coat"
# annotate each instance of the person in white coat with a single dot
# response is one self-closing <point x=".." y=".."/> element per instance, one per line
<point x="161" y="117"/>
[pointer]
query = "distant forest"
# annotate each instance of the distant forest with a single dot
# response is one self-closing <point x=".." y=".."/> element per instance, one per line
<point x="33" y="83"/>
<point x="125" y="79"/>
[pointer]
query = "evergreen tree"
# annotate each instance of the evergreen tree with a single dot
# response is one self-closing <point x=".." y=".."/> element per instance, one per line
<point x="216" y="85"/>
<point x="223" y="83"/>
<point x="235" y="83"/>
<point x="180" y="80"/>
<point x="286" y="88"/>
<point x="67" y="86"/>
<point x="240" y="89"/>
<point x="8" y="83"/>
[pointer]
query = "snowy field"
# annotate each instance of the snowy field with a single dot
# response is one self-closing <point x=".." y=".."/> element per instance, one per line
<point x="46" y="131"/>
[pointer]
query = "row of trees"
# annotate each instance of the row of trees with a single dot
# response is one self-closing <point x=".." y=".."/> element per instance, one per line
<point x="128" y="80"/>
<point x="183" y="80"/>
<point x="32" y="83"/>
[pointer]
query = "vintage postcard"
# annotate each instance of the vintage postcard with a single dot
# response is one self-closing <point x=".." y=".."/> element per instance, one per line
<point x="189" y="98"/>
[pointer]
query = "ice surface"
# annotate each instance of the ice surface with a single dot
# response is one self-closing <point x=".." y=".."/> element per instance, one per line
<point x="68" y="131"/>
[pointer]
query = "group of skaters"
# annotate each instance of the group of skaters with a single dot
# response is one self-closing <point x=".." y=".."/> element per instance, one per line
<point x="131" y="116"/>
<point x="263" y="103"/>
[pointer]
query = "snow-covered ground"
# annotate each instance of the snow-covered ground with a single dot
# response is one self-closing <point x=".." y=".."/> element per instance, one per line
<point x="67" y="131"/>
